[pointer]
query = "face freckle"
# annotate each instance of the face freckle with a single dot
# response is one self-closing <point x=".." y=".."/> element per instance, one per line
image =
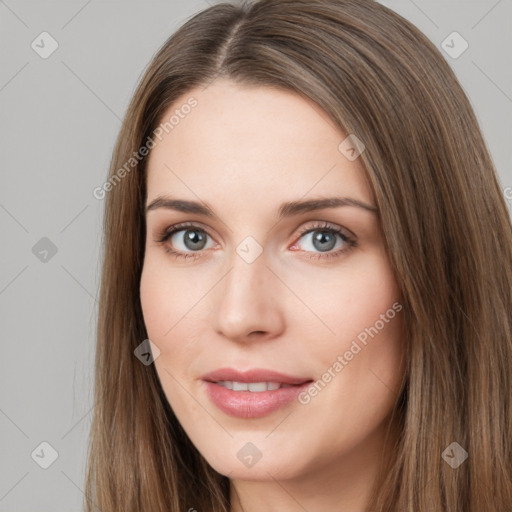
<point x="262" y="296"/>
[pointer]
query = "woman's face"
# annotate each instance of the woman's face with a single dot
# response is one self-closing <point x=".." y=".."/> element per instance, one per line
<point x="279" y="287"/>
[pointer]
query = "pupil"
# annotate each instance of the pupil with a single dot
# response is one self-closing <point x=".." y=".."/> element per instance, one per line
<point x="194" y="239"/>
<point x="324" y="240"/>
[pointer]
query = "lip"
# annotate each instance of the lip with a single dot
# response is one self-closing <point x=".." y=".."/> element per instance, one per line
<point x="253" y="375"/>
<point x="248" y="404"/>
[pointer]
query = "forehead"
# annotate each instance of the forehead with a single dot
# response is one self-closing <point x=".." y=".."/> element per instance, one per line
<point x="249" y="145"/>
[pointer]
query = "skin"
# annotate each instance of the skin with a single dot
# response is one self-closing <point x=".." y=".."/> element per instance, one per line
<point x="243" y="151"/>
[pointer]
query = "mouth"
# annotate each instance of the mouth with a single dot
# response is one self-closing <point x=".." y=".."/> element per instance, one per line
<point x="253" y="393"/>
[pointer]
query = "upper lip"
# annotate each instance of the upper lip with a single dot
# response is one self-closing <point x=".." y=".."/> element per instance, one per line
<point x="253" y="375"/>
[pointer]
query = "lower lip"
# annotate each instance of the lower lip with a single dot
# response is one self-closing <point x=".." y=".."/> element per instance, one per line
<point x="249" y="404"/>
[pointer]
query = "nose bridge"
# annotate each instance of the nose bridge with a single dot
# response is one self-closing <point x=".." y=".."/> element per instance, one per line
<point x="247" y="281"/>
<point x="245" y="300"/>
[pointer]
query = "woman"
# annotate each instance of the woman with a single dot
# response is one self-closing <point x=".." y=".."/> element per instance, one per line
<point x="306" y="288"/>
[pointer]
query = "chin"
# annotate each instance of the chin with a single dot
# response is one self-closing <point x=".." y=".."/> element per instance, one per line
<point x="243" y="462"/>
<point x="260" y="472"/>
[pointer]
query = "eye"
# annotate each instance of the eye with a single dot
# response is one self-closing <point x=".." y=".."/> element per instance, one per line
<point x="320" y="241"/>
<point x="324" y="241"/>
<point x="189" y="239"/>
<point x="184" y="240"/>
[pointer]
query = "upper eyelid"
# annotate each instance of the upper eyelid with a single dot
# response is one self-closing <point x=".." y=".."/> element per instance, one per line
<point x="328" y="226"/>
<point x="180" y="226"/>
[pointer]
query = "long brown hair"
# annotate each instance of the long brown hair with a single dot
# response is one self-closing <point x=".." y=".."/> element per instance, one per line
<point x="446" y="227"/>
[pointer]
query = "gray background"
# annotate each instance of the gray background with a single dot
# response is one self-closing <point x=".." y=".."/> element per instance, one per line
<point x="59" y="118"/>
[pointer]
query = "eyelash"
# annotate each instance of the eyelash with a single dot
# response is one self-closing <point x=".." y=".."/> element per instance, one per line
<point x="163" y="236"/>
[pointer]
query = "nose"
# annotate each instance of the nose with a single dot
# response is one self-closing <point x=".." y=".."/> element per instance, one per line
<point x="246" y="302"/>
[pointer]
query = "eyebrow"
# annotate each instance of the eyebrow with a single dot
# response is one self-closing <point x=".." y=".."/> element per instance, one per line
<point x="287" y="209"/>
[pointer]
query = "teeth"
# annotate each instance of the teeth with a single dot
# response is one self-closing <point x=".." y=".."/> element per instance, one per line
<point x="239" y="386"/>
<point x="255" y="387"/>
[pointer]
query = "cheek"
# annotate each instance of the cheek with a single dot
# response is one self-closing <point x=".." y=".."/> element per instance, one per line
<point x="172" y="309"/>
<point x="167" y="305"/>
<point x="166" y="297"/>
<point x="361" y="306"/>
<point x="346" y="301"/>
<point x="164" y="313"/>
<point x="156" y="303"/>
